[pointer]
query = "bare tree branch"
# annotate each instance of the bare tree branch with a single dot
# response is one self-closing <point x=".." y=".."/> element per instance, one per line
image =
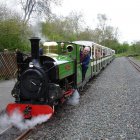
<point x="36" y="6"/>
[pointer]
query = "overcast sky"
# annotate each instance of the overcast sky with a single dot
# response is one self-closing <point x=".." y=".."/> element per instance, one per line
<point x="124" y="14"/>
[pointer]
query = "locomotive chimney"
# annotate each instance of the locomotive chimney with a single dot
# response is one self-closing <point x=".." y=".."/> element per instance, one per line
<point x="35" y="47"/>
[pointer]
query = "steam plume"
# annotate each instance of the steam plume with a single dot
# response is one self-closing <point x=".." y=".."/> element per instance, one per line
<point x="74" y="99"/>
<point x="17" y="120"/>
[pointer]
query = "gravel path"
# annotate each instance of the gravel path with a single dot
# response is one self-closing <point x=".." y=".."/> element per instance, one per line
<point x="109" y="110"/>
<point x="5" y="93"/>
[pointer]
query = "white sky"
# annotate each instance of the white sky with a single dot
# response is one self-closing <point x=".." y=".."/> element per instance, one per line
<point x="124" y="14"/>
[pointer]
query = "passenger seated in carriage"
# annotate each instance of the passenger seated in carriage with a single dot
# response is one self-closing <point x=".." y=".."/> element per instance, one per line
<point x="85" y="59"/>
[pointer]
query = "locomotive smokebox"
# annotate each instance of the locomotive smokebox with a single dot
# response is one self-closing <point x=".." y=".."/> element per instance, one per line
<point x="35" y="47"/>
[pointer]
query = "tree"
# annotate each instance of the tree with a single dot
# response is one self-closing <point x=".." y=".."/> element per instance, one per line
<point x="63" y="28"/>
<point x="86" y="34"/>
<point x="135" y="48"/>
<point x="102" y="26"/>
<point x="10" y="30"/>
<point x="38" y="7"/>
<point x="103" y="31"/>
<point x="74" y="22"/>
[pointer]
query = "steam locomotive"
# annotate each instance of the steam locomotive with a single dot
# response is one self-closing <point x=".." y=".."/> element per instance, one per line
<point x="48" y="79"/>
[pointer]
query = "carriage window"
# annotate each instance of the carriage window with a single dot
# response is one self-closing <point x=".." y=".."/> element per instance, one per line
<point x="69" y="48"/>
<point x="81" y="48"/>
<point x="93" y="51"/>
<point x="104" y="52"/>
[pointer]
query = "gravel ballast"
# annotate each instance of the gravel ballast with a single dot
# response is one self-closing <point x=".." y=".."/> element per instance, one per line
<point x="109" y="109"/>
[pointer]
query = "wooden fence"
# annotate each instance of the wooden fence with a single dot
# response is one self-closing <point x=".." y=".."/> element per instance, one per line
<point x="8" y="65"/>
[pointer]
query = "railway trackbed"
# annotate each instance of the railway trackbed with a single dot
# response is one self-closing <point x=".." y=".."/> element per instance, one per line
<point x="24" y="135"/>
<point x="17" y="130"/>
<point x="12" y="133"/>
<point x="136" y="66"/>
<point x="6" y="129"/>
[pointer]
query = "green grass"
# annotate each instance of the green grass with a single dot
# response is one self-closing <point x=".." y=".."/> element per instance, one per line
<point x="137" y="57"/>
<point x="121" y="54"/>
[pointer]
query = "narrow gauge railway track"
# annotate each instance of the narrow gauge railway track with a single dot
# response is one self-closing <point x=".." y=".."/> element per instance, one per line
<point x="13" y="133"/>
<point x="4" y="131"/>
<point x="9" y="133"/>
<point x="24" y="135"/>
<point x="136" y="66"/>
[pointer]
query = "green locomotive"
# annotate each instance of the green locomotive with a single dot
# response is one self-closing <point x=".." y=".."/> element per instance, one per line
<point x="48" y="79"/>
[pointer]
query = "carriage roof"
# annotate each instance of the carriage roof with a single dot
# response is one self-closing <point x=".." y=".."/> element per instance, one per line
<point x="88" y="43"/>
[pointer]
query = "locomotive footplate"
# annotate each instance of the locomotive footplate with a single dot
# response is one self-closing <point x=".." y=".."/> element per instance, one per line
<point x="29" y="110"/>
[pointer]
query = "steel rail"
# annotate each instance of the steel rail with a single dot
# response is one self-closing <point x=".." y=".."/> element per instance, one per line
<point x="24" y="135"/>
<point x="136" y="66"/>
<point x="2" y="132"/>
<point x="27" y="132"/>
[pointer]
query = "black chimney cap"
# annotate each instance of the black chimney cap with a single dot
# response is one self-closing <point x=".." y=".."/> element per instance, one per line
<point x="34" y="38"/>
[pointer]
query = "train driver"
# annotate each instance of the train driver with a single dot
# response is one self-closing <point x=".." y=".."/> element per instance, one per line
<point x="85" y="59"/>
